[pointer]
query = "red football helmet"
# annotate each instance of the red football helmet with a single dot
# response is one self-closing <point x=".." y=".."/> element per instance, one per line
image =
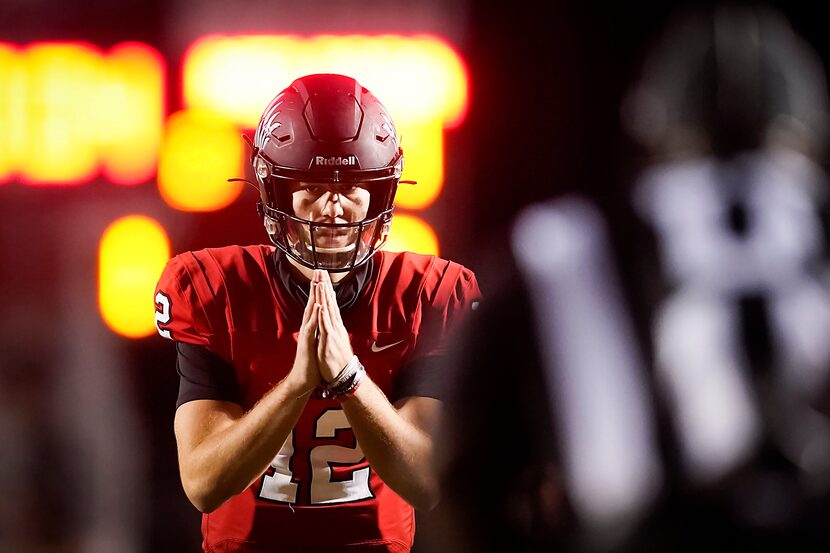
<point x="326" y="129"/>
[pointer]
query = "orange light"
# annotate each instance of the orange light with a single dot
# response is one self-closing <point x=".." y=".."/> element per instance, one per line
<point x="131" y="255"/>
<point x="420" y="79"/>
<point x="199" y="152"/>
<point x="68" y="111"/>
<point x="412" y="234"/>
<point x="11" y="110"/>
<point x="131" y="113"/>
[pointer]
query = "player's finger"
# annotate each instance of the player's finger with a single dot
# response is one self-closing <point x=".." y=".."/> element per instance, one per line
<point x="310" y="303"/>
<point x="331" y="300"/>
<point x="321" y="308"/>
<point x="319" y="290"/>
<point x="308" y="331"/>
<point x="323" y="337"/>
<point x="310" y="325"/>
<point x="325" y="318"/>
<point x="331" y="297"/>
<point x="325" y="292"/>
<point x="332" y="331"/>
<point x="312" y="319"/>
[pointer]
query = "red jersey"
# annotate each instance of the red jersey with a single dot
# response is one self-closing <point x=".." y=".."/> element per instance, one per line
<point x="320" y="494"/>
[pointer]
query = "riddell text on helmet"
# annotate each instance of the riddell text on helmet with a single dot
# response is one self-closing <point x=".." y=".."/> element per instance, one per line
<point x="335" y="160"/>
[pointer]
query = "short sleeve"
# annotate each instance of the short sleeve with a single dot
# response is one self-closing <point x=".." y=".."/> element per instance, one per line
<point x="456" y="295"/>
<point x="181" y="313"/>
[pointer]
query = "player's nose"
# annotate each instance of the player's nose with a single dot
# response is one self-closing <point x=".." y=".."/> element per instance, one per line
<point x="332" y="207"/>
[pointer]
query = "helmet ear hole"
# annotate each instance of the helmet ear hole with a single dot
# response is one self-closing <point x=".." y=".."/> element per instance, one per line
<point x="261" y="169"/>
<point x="271" y="226"/>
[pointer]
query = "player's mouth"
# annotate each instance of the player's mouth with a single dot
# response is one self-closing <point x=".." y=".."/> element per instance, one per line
<point x="334" y="238"/>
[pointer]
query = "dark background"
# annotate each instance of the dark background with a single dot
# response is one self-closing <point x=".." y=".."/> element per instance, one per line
<point x="546" y="83"/>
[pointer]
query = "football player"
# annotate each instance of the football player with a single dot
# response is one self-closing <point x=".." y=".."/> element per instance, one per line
<point x="309" y="388"/>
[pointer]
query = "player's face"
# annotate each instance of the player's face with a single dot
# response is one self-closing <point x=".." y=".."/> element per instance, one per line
<point x="331" y="203"/>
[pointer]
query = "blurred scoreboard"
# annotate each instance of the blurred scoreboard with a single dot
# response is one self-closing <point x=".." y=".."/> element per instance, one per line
<point x="71" y="114"/>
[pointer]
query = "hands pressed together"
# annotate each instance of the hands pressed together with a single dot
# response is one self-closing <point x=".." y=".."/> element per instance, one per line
<point x="323" y="346"/>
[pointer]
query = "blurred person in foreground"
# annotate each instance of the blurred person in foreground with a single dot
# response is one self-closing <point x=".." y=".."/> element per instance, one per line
<point x="665" y="395"/>
<point x="308" y="392"/>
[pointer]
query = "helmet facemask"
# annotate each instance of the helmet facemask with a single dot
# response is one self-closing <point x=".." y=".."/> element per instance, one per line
<point x="333" y="246"/>
<point x="310" y="243"/>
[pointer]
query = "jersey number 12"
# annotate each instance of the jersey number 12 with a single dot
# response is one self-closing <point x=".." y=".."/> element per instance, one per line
<point x="280" y="486"/>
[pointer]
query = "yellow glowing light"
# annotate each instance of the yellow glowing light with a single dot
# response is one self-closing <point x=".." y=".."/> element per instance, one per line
<point x="411" y="234"/>
<point x="131" y="112"/>
<point x="61" y="115"/>
<point x="10" y="110"/>
<point x="67" y="111"/>
<point x="423" y="149"/>
<point x="236" y="76"/>
<point x="199" y="152"/>
<point x="132" y="253"/>
<point x="419" y="77"/>
<point x="421" y="80"/>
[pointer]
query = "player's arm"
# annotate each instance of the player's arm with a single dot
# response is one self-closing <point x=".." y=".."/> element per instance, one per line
<point x="397" y="440"/>
<point x="222" y="449"/>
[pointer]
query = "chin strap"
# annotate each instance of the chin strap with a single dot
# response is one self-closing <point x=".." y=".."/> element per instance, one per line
<point x="246" y="181"/>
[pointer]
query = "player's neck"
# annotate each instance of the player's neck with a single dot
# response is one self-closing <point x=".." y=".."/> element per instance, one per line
<point x="306" y="272"/>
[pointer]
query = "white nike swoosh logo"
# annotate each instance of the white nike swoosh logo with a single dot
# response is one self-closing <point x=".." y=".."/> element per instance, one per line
<point x="377" y="349"/>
